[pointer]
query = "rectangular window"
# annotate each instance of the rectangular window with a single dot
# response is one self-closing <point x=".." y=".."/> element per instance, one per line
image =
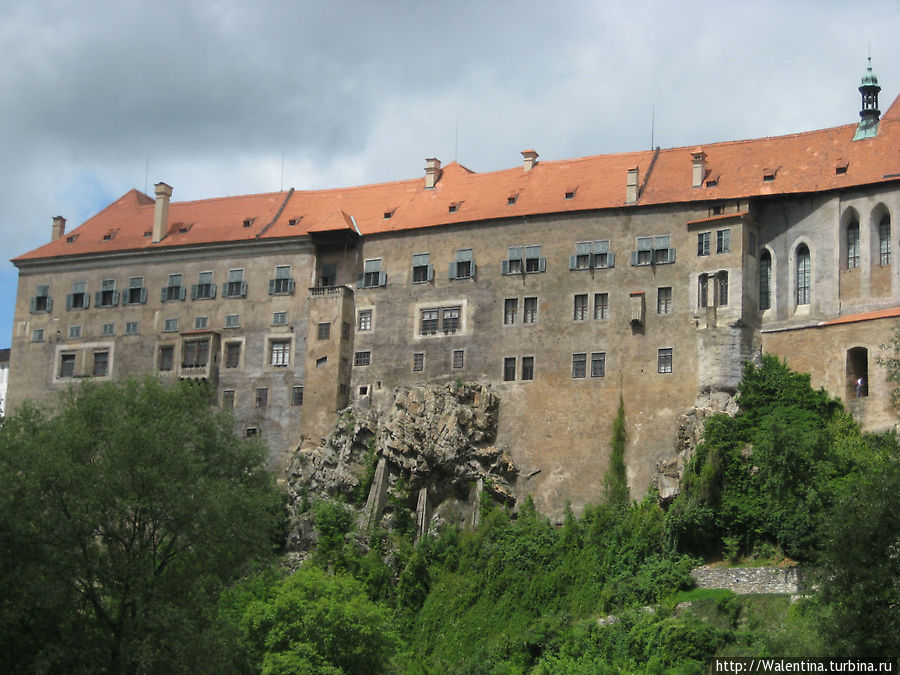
<point x="195" y="354"/>
<point x="232" y="354"/>
<point x="262" y="397"/>
<point x="515" y="261"/>
<point x="201" y="322"/>
<point x="510" y="310"/>
<point x="107" y="296"/>
<point x="279" y="318"/>
<point x="108" y="329"/>
<point x="362" y="358"/>
<point x="279" y="353"/>
<point x="527" y="367"/>
<point x="204" y="289"/>
<point x="664" y="361"/>
<point x="101" y="364"/>
<point x="170" y="325"/>
<point x="509" y="369"/>
<point x="166" y="357"/>
<point x="884" y="240"/>
<point x="582" y="256"/>
<point x="533" y="260"/>
<point x="450" y="319"/>
<point x="601" y="305"/>
<point x="41" y="302"/>
<point x="74" y="332"/>
<point x="524" y="259"/>
<point x="655" y="250"/>
<point x="283" y="283"/>
<point x="136" y="293"/>
<point x="131" y="328"/>
<point x="235" y="287"/>
<point x="429" y="321"/>
<point x="297" y="395"/>
<point x="644" y="253"/>
<point x="664" y="300"/>
<point x="372" y="275"/>
<point x="418" y="362"/>
<point x="723" y="241"/>
<point x="67" y="365"/>
<point x="79" y="298"/>
<point x="703" y="243"/>
<point x="464" y="266"/>
<point x="232" y="320"/>
<point x="459" y="358"/>
<point x="364" y="320"/>
<point x="228" y="399"/>
<point x="422" y="271"/>
<point x="173" y="291"/>
<point x="702" y="291"/>
<point x="37" y="335"/>
<point x="581" y="307"/>
<point x="722" y="289"/>
<point x="529" y="310"/>
<point x="579" y="366"/>
<point x="591" y="255"/>
<point x="323" y="331"/>
<point x="598" y="364"/>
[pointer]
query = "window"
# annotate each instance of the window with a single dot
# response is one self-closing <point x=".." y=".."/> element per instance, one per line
<point x="702" y="243"/>
<point x="108" y="329"/>
<point x="529" y="310"/>
<point x="664" y="300"/>
<point x="262" y="397"/>
<point x="204" y="289"/>
<point x="429" y="321"/>
<point x="418" y="361"/>
<point x="664" y="360"/>
<point x="297" y="395"/>
<point x="601" y="305"/>
<point x="464" y="266"/>
<point x="364" y="320"/>
<point x="67" y="365"/>
<point x="702" y="291"/>
<point x="228" y="398"/>
<point x="459" y="358"/>
<point x="201" y="322"/>
<point x="598" y="364"/>
<point x="74" y="332"/>
<point x="78" y="298"/>
<point x="279" y="318"/>
<point x="422" y="271"/>
<point x="884" y="240"/>
<point x="166" y="357"/>
<point x="235" y="287"/>
<point x="509" y="369"/>
<point x="283" y="283"/>
<point x="170" y="325"/>
<point x="279" y="353"/>
<point x="107" y="296"/>
<point x="803" y="275"/>
<point x="591" y="255"/>
<point x="510" y="310"/>
<point x="232" y="354"/>
<point x="362" y="358"/>
<point x="723" y="241"/>
<point x="852" y="246"/>
<point x="765" y="280"/>
<point x="654" y="250"/>
<point x="250" y="432"/>
<point x="232" y="320"/>
<point x="524" y="260"/>
<point x="450" y="319"/>
<point x="372" y="275"/>
<point x="527" y="367"/>
<point x="41" y="302"/>
<point x="131" y="328"/>
<point x="101" y="364"/>
<point x="136" y="293"/>
<point x="37" y="335"/>
<point x="195" y="353"/>
<point x="173" y="290"/>
<point x="722" y="288"/>
<point x="581" y="305"/>
<point x="579" y="366"/>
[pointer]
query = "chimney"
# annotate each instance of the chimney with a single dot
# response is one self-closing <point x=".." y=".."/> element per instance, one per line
<point x="698" y="159"/>
<point x="530" y="159"/>
<point x="432" y="172"/>
<point x="161" y="212"/>
<point x="58" y="229"/>
<point x="631" y="187"/>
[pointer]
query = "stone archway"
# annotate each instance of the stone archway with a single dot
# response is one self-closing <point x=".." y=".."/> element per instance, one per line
<point x="857" y="372"/>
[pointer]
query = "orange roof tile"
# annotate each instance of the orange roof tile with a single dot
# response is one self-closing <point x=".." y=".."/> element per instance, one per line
<point x="864" y="316"/>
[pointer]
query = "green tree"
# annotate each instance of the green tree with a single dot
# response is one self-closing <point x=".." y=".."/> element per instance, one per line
<point x="124" y="514"/>
<point x="616" y="479"/>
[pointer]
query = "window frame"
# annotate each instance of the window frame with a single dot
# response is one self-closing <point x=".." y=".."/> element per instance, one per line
<point x="665" y="357"/>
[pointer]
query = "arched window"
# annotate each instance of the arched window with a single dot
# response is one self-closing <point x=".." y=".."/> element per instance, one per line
<point x="803" y="274"/>
<point x="765" y="280"/>
<point x="884" y="240"/>
<point x="853" y="245"/>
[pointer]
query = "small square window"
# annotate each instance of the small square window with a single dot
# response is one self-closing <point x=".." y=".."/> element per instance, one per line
<point x="362" y="358"/>
<point x="324" y="331"/>
<point x="131" y="328"/>
<point x="262" y="397"/>
<point x="37" y="335"/>
<point x="250" y="432"/>
<point x="228" y="399"/>
<point x="170" y="325"/>
<point x="297" y="395"/>
<point x="364" y="321"/>
<point x="108" y="329"/>
<point x="279" y="318"/>
<point x="201" y="322"/>
<point x="459" y="358"/>
<point x="232" y="320"/>
<point x="74" y="332"/>
<point x="418" y="362"/>
<point x="429" y="321"/>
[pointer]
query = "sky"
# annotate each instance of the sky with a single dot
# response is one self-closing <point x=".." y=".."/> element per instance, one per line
<point x="219" y="98"/>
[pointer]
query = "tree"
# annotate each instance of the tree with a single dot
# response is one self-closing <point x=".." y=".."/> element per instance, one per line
<point x="616" y="476"/>
<point x="133" y="504"/>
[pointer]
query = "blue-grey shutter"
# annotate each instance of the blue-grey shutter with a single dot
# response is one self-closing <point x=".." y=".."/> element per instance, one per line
<point x="98" y="298"/>
<point x="271" y="286"/>
<point x="243" y="289"/>
<point x="542" y="264"/>
<point x="634" y="257"/>
<point x="382" y="278"/>
<point x="610" y="259"/>
<point x="212" y="290"/>
<point x="164" y="293"/>
<point x="452" y="273"/>
<point x="49" y="303"/>
<point x="504" y="267"/>
<point x="472" y="268"/>
<point x="573" y="262"/>
<point x="431" y="273"/>
<point x="115" y="298"/>
<point x="194" y="291"/>
<point x="86" y="300"/>
<point x="182" y="293"/>
<point x="671" y="255"/>
<point x="33" y="305"/>
<point x="69" y="301"/>
<point x="144" y="295"/>
<point x="359" y="280"/>
<point x="225" y="289"/>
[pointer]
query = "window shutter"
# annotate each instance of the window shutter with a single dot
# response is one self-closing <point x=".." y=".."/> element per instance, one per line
<point x="164" y="293"/>
<point x="69" y="301"/>
<point x="98" y="298"/>
<point x="431" y="273"/>
<point x="291" y="286"/>
<point x="504" y="267"/>
<point x="382" y="279"/>
<point x="212" y="290"/>
<point x="472" y="268"/>
<point x="49" y="303"/>
<point x="144" y="296"/>
<point x="115" y="298"/>
<point x="452" y="273"/>
<point x="86" y="300"/>
<point x="671" y="258"/>
<point x="542" y="264"/>
<point x="634" y="257"/>
<point x="182" y="293"/>
<point x="359" y="280"/>
<point x="243" y="289"/>
<point x="573" y="262"/>
<point x="610" y="259"/>
<point x="33" y="305"/>
<point x="271" y="286"/>
<point x="194" y="292"/>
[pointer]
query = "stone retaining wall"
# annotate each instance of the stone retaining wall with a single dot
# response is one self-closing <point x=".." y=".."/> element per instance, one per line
<point x="743" y="580"/>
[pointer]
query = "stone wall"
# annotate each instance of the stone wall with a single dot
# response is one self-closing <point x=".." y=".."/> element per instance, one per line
<point x="743" y="580"/>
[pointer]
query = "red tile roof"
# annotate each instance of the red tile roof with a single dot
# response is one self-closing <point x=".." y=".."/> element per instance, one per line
<point x="864" y="316"/>
<point x="803" y="162"/>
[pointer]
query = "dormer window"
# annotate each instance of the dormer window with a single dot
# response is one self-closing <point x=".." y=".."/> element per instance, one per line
<point x="293" y="222"/>
<point x="841" y="167"/>
<point x="71" y="238"/>
<point x="454" y="207"/>
<point x="389" y="214"/>
<point x="769" y="175"/>
<point x="248" y="222"/>
<point x="570" y="193"/>
<point x="712" y="181"/>
<point x="511" y="200"/>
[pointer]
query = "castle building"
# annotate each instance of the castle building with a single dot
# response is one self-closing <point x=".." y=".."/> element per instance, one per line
<point x="564" y="285"/>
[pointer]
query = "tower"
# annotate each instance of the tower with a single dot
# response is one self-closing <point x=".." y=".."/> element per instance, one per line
<point x="869" y="115"/>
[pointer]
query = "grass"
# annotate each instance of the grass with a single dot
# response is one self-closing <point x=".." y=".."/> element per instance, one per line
<point x="703" y="594"/>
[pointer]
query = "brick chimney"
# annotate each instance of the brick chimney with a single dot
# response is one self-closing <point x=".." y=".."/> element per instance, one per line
<point x="530" y="157"/>
<point x="432" y="172"/>
<point x="631" y="187"/>
<point x="698" y="162"/>
<point x="161" y="212"/>
<point x="58" y="229"/>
